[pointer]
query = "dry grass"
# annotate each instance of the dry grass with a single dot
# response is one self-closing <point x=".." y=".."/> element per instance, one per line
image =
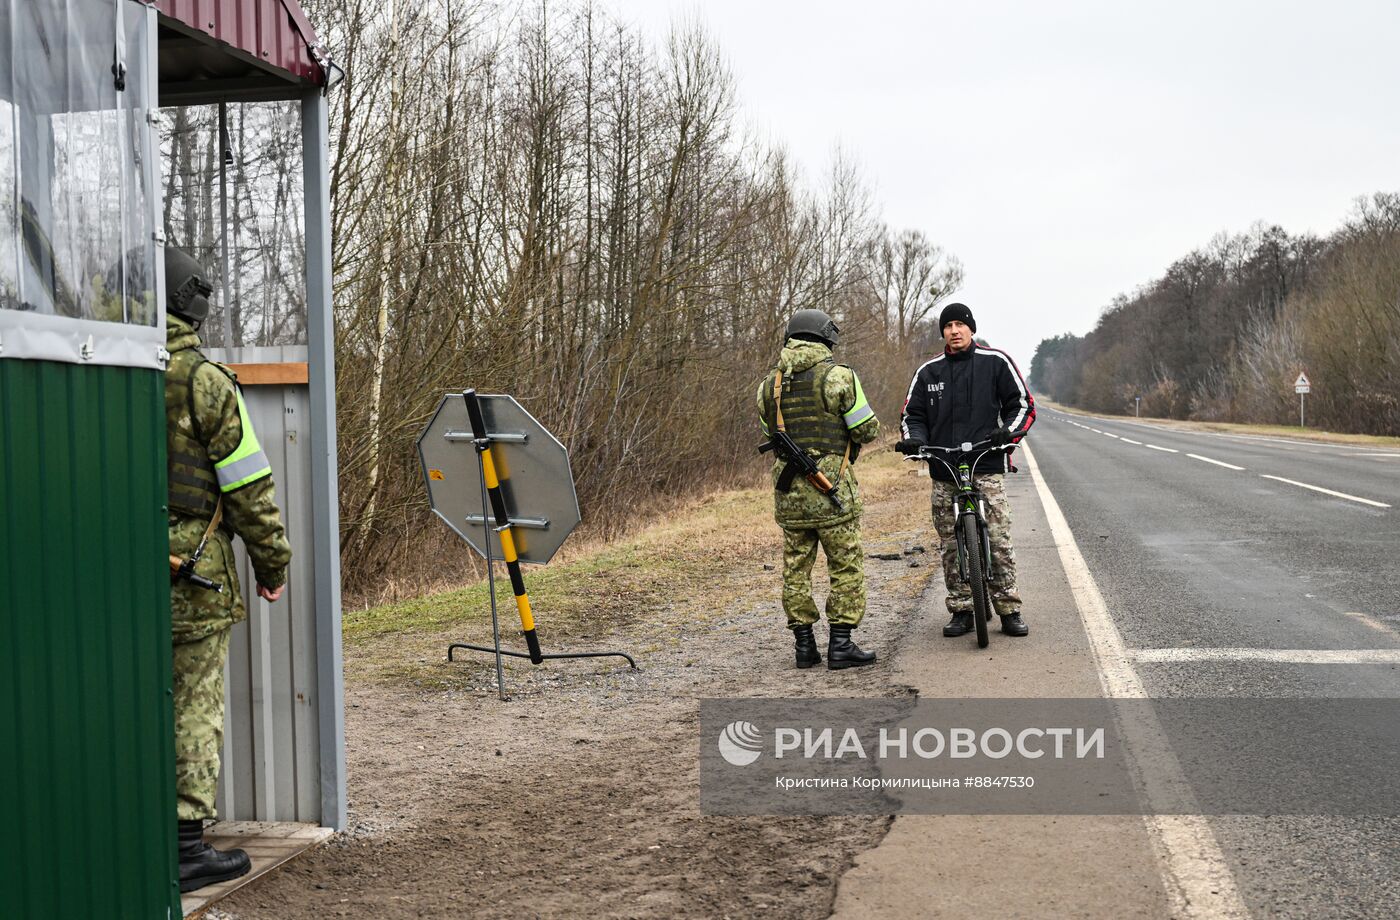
<point x="702" y="555"/>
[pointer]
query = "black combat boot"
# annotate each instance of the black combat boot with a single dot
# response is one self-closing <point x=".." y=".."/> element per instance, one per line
<point x="201" y="864"/>
<point x="959" y="625"/>
<point x="841" y="652"/>
<point x="806" y="645"/>
<point x="1013" y="625"/>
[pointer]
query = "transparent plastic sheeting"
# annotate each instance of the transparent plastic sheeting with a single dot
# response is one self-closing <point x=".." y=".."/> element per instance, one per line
<point x="78" y="257"/>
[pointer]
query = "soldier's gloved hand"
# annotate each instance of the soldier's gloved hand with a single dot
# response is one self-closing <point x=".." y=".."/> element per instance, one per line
<point x="1000" y="438"/>
<point x="909" y="447"/>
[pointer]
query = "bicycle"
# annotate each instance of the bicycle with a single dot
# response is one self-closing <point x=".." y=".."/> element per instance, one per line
<point x="971" y="523"/>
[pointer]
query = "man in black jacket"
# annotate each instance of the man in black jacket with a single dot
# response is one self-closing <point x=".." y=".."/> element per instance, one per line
<point x="967" y="394"/>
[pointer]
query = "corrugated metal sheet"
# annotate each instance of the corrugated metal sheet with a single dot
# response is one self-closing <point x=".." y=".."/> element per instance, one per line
<point x="272" y="755"/>
<point x="275" y="32"/>
<point x="86" y="749"/>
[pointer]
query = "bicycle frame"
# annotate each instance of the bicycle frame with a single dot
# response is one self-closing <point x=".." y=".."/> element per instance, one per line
<point x="961" y="463"/>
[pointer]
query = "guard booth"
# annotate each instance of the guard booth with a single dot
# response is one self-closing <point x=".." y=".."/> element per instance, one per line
<point x="105" y="109"/>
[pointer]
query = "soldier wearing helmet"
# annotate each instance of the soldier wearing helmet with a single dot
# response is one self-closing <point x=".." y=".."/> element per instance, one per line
<point x="821" y="406"/>
<point x="220" y="484"/>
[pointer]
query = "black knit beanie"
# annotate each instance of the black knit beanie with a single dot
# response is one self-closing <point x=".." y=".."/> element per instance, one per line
<point x="956" y="311"/>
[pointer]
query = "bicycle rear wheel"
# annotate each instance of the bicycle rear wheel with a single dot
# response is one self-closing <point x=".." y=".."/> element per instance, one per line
<point x="977" y="578"/>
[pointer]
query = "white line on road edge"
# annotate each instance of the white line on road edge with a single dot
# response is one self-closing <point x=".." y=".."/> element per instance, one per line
<point x="1294" y="482"/>
<point x="1194" y="872"/>
<point x="1130" y="441"/>
<point x="1109" y="433"/>
<point x="1272" y="655"/>
<point x="1228" y="466"/>
<point x="1168" y="450"/>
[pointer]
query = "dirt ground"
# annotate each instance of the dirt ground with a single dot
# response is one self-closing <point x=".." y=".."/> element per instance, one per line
<point x="580" y="796"/>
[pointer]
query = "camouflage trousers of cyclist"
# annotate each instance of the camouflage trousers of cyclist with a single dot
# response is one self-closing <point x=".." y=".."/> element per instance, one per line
<point x="1006" y="599"/>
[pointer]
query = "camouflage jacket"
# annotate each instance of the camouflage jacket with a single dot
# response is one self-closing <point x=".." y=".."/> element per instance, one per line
<point x="250" y="510"/>
<point x="803" y="506"/>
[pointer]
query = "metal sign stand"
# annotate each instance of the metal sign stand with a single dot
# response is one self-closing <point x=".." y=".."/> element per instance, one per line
<point x="493" y="507"/>
<point x="491" y="583"/>
<point x="1302" y="386"/>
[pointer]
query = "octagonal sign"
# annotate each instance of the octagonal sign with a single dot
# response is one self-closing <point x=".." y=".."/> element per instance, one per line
<point x="531" y="464"/>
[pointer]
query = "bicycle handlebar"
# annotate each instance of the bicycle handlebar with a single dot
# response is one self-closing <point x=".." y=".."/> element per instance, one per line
<point x="927" y="452"/>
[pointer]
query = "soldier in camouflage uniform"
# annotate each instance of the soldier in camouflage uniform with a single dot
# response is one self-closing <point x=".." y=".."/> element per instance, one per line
<point x="968" y="394"/>
<point x="220" y="485"/>
<point x="823" y="410"/>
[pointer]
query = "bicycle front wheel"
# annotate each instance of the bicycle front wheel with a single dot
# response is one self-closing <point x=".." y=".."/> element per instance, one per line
<point x="977" y="578"/>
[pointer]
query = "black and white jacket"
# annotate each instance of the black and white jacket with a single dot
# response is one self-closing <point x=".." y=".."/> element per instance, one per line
<point x="962" y="397"/>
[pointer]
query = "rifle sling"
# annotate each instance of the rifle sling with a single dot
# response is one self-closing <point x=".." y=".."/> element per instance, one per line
<point x="190" y="563"/>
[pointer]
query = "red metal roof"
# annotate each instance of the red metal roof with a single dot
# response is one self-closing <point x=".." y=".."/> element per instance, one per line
<point x="275" y="33"/>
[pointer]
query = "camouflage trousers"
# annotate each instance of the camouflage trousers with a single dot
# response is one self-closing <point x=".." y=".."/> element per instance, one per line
<point x="199" y="723"/>
<point x="845" y="564"/>
<point x="1002" y="583"/>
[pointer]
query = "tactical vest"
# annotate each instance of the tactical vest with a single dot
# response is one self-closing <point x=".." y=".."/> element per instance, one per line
<point x="805" y="416"/>
<point x="194" y="487"/>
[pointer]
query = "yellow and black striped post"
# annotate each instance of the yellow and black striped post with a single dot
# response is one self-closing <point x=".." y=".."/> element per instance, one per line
<point x="503" y="528"/>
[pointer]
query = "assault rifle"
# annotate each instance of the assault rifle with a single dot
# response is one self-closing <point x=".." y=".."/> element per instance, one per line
<point x="799" y="461"/>
<point x="183" y="569"/>
<point x="180" y="570"/>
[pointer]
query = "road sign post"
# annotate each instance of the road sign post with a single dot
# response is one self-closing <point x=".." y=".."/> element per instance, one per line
<point x="515" y="501"/>
<point x="1302" y="386"/>
<point x="1137" y="406"/>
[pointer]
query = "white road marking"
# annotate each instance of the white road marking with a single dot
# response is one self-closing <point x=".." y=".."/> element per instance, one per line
<point x="1130" y="441"/>
<point x="1228" y="466"/>
<point x="1353" y="498"/>
<point x="1294" y="443"/>
<point x="1286" y="443"/>
<point x="1109" y="433"/>
<point x="1272" y="655"/>
<point x="1168" y="450"/>
<point x="1095" y="431"/>
<point x="1193" y="868"/>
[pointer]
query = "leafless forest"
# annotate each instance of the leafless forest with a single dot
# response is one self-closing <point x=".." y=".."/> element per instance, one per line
<point x="1226" y="330"/>
<point x="537" y="200"/>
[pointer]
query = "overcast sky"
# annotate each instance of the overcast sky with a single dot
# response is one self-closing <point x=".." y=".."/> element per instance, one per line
<point x="1070" y="151"/>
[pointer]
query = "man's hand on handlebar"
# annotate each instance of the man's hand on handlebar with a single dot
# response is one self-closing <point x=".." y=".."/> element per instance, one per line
<point x="1000" y="438"/>
<point x="910" y="447"/>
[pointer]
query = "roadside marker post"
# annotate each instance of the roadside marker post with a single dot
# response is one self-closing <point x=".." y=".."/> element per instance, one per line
<point x="1302" y="386"/>
<point x="517" y="461"/>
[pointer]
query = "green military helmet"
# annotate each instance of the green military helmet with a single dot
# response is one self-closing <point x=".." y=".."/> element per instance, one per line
<point x="187" y="286"/>
<point x="813" y="324"/>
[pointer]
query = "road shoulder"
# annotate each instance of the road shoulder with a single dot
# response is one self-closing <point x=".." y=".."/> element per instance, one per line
<point x="1011" y="866"/>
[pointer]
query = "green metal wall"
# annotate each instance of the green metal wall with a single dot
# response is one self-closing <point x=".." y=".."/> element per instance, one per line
<point x="87" y="792"/>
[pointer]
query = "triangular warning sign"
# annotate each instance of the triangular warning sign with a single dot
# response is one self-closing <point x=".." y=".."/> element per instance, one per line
<point x="1302" y="381"/>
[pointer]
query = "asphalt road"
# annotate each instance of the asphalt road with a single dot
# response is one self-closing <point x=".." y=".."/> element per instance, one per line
<point x="1228" y="573"/>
